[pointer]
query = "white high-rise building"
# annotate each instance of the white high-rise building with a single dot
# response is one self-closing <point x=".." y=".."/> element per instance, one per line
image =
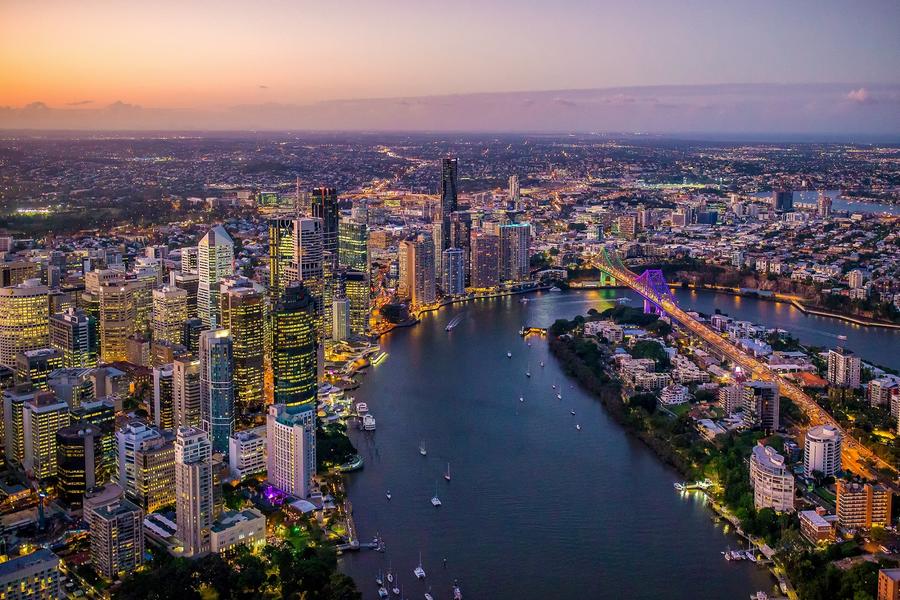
<point x="515" y="244"/>
<point x="822" y="451"/>
<point x="514" y="192"/>
<point x="308" y="266"/>
<point x="193" y="490"/>
<point x="340" y="317"/>
<point x="170" y="311"/>
<point x="843" y="368"/>
<point x="454" y="276"/>
<point x="246" y="454"/>
<point x="771" y="480"/>
<point x="291" y="447"/>
<point x="215" y="261"/>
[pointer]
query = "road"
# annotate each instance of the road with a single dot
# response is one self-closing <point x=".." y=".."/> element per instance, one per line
<point x="855" y="456"/>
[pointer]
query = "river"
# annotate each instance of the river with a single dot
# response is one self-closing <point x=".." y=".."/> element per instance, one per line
<point x="838" y="203"/>
<point x="535" y="508"/>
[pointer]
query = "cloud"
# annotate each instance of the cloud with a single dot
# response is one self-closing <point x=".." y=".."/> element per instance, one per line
<point x="263" y="87"/>
<point x="79" y="103"/>
<point x="860" y="96"/>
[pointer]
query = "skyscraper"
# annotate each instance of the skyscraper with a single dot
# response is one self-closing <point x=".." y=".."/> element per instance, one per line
<point x="43" y="415"/>
<point x="783" y="200"/>
<point x="514" y="192"/>
<point x="118" y="318"/>
<point x="449" y="197"/>
<point x="163" y="412"/>
<point x="823" y="204"/>
<point x="356" y="289"/>
<point x="308" y="264"/>
<point x="193" y="489"/>
<point x="190" y="283"/>
<point x="353" y="245"/>
<point x="281" y="253"/>
<point x="423" y="276"/>
<point x="291" y="444"/>
<point x="822" y="451"/>
<point x="325" y="207"/>
<point x="217" y="387"/>
<point x="243" y="311"/>
<point x="170" y="311"/>
<point x="34" y="366"/>
<point x="79" y="462"/>
<point x="485" y="260"/>
<point x="116" y="530"/>
<point x="761" y="404"/>
<point x="186" y="395"/>
<point x="340" y="320"/>
<point x="295" y="347"/>
<point x="146" y="465"/>
<point x="215" y="261"/>
<point x="843" y="368"/>
<point x="24" y="312"/>
<point x="453" y="281"/>
<point x="75" y="334"/>
<point x="515" y="241"/>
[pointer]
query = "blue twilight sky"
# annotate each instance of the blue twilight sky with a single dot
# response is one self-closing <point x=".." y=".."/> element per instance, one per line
<point x="231" y="63"/>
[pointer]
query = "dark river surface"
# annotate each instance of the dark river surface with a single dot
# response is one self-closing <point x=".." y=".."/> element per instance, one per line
<point x="536" y="508"/>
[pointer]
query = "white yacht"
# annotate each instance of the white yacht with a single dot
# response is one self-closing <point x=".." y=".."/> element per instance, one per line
<point x="521" y="398"/>
<point x="559" y="396"/>
<point x="447" y="474"/>
<point x="578" y="427"/>
<point x="419" y="572"/>
<point x="509" y="355"/>
<point x="388" y="496"/>
<point x="435" y="501"/>
<point x="368" y="422"/>
<point x="422" y="450"/>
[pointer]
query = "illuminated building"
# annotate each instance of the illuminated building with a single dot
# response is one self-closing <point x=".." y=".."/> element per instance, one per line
<point x="771" y="480"/>
<point x="116" y="532"/>
<point x="34" y="366"/>
<point x="14" y="400"/>
<point x="217" y="387"/>
<point x="437" y="240"/>
<point x="170" y="311"/>
<point x="79" y="461"/>
<point x="461" y="237"/>
<point x="16" y="272"/>
<point x="406" y="253"/>
<point x="117" y="319"/>
<point x="137" y="349"/>
<point x="281" y="253"/>
<point x="628" y="226"/>
<point x="308" y="265"/>
<point x="43" y="415"/>
<point x="190" y="283"/>
<point x="731" y="398"/>
<point x="356" y="290"/>
<point x="340" y="319"/>
<point x="163" y="412"/>
<point x="889" y="584"/>
<point x="353" y="245"/>
<point x="291" y="447"/>
<point x="453" y="280"/>
<point x="34" y="576"/>
<point x="74" y="333"/>
<point x="186" y="392"/>
<point x="190" y="256"/>
<point x="843" y="368"/>
<point x="193" y="490"/>
<point x="243" y="311"/>
<point x="823" y="205"/>
<point x="417" y="282"/>
<point x="449" y="196"/>
<point x="515" y="241"/>
<point x="215" y="261"/>
<point x="514" y="192"/>
<point x="862" y="505"/>
<point x="72" y="386"/>
<point x="822" y="451"/>
<point x="236" y="528"/>
<point x="246" y="454"/>
<point x="146" y="465"/>
<point x="325" y="207"/>
<point x="101" y="415"/>
<point x="24" y="312"/>
<point x="294" y="348"/>
<point x="191" y="334"/>
<point x="761" y="404"/>
<point x="485" y="260"/>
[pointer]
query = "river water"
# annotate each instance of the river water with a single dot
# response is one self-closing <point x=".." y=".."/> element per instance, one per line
<point x="535" y="508"/>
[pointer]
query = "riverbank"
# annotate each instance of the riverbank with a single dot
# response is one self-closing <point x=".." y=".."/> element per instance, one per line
<point x="784" y="299"/>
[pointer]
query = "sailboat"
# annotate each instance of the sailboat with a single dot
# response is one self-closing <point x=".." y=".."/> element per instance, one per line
<point x="379" y="581"/>
<point x="390" y="575"/>
<point x="447" y="474"/>
<point x="419" y="572"/>
<point x="388" y="495"/>
<point x="521" y="398"/>
<point x="435" y="501"/>
<point x="542" y="364"/>
<point x="509" y="355"/>
<point x="428" y="595"/>
<point x="578" y="427"/>
<point x="422" y="450"/>
<point x="457" y="593"/>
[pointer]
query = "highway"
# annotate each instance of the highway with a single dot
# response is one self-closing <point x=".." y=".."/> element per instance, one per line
<point x="855" y="456"/>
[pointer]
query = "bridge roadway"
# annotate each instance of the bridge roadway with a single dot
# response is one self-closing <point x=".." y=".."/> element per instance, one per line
<point x="854" y="455"/>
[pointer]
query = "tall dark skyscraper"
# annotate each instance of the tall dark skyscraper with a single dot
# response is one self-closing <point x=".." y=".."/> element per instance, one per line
<point x="783" y="200"/>
<point x="294" y="347"/>
<point x="325" y="207"/>
<point x="449" y="196"/>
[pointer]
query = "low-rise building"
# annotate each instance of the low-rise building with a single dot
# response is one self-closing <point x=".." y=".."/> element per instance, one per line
<point x="31" y="577"/>
<point x="862" y="505"/>
<point x="234" y="528"/>
<point x="816" y="526"/>
<point x="246" y="454"/>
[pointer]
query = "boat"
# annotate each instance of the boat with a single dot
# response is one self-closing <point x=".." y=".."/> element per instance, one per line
<point x="447" y="474"/>
<point x="842" y="337"/>
<point x="388" y="495"/>
<point x="457" y="593"/>
<point x="527" y="373"/>
<point x="435" y="501"/>
<point x="521" y="398"/>
<point x="578" y="427"/>
<point x="419" y="572"/>
<point x="523" y="300"/>
<point x="571" y="412"/>
<point x="368" y="423"/>
<point x="559" y="396"/>
<point x="396" y="591"/>
<point x="390" y="576"/>
<point x="428" y="596"/>
<point x="383" y="593"/>
<point x="422" y="450"/>
<point x="379" y="581"/>
<point x="553" y="386"/>
<point x="680" y="487"/>
<point x="542" y="364"/>
<point x="555" y="289"/>
<point x="509" y="355"/>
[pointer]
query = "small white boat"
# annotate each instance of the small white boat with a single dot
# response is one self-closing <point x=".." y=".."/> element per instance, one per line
<point x="396" y="591"/>
<point x="555" y="289"/>
<point x="578" y="427"/>
<point x="447" y="474"/>
<point x="521" y="398"/>
<point x="509" y="355"/>
<point x="527" y="373"/>
<point x="390" y="577"/>
<point x="842" y="337"/>
<point x="571" y="412"/>
<point x="419" y="572"/>
<point x="428" y="596"/>
<point x="542" y="364"/>
<point x="457" y="593"/>
<point x="435" y="501"/>
<point x="422" y="450"/>
<point x="382" y="593"/>
<point x="388" y="495"/>
<point x="559" y="396"/>
<point x="379" y="581"/>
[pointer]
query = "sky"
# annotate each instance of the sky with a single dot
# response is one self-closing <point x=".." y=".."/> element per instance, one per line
<point x="406" y="64"/>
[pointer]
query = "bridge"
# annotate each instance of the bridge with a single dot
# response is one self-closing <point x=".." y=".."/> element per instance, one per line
<point x="658" y="299"/>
